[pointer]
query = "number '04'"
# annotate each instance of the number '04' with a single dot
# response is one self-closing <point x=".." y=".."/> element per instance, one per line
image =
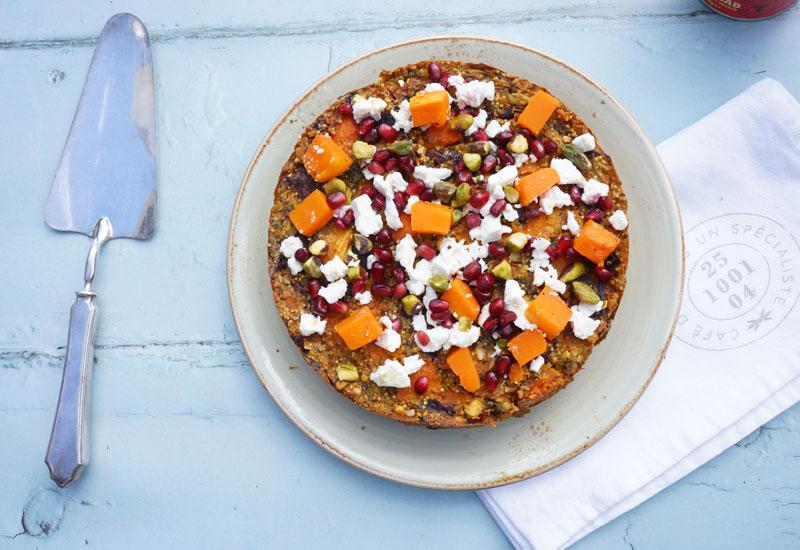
<point x="723" y="284"/>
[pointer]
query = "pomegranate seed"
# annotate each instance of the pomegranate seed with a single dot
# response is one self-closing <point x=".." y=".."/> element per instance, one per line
<point x="313" y="287"/>
<point x="434" y="71"/>
<point x="464" y="176"/>
<point x="575" y="194"/>
<point x="436" y="305"/>
<point x="382" y="155"/>
<point x="415" y="187"/>
<point x="384" y="236"/>
<point x="480" y="135"/>
<point x="444" y="80"/>
<point x="506" y="330"/>
<point x="301" y="255"/>
<point x="381" y="290"/>
<point x="371" y="136"/>
<point x="496" y="307"/>
<point x="530" y="212"/>
<point x="339" y="222"/>
<point x="551" y="252"/>
<point x="390" y="164"/>
<point x="497" y="251"/>
<point x="426" y="251"/>
<point x="423" y="337"/>
<point x="472" y="271"/>
<point x="489" y="164"/>
<point x="570" y="254"/>
<point x="550" y="146"/>
<point x="498" y="207"/>
<point x="383" y="254"/>
<point x="421" y="385"/>
<point x="481" y="296"/>
<point x="358" y="286"/>
<point x="605" y="203"/>
<point x="473" y="220"/>
<point x="378" y="203"/>
<point x="441" y="315"/>
<point x="400" y="200"/>
<point x="459" y="166"/>
<point x="602" y="273"/>
<point x="526" y="134"/>
<point x="320" y="306"/>
<point x="399" y="290"/>
<point x="366" y="125"/>
<point x="345" y="109"/>
<point x="337" y="308"/>
<point x="349" y="218"/>
<point x="537" y="148"/>
<point x="447" y="323"/>
<point x="595" y="214"/>
<point x="504" y="157"/>
<point x="407" y="165"/>
<point x="427" y="195"/>
<point x="378" y="272"/>
<point x="387" y="133"/>
<point x="563" y="244"/>
<point x="376" y="167"/>
<point x="336" y="199"/>
<point x="490" y="380"/>
<point x="485" y="282"/>
<point x="397" y="324"/>
<point x="507" y="317"/>
<point x="370" y="191"/>
<point x="502" y="364"/>
<point x="399" y="274"/>
<point x="503" y="137"/>
<point x="469" y="111"/>
<point x="490" y="325"/>
<point x="479" y="199"/>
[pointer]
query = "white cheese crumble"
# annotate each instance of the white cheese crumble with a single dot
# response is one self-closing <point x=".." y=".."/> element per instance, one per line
<point x="334" y="291"/>
<point x="510" y="213"/>
<point x="371" y="259"/>
<point x="484" y="314"/>
<point x="289" y="246"/>
<point x="585" y="142"/>
<point x="548" y="276"/>
<point x="474" y="92"/>
<point x="387" y="185"/>
<point x="392" y="215"/>
<point x="370" y="107"/>
<point x="567" y="172"/>
<point x="429" y="175"/>
<point x="409" y="203"/>
<point x="496" y="181"/>
<point x="514" y="298"/>
<point x="311" y="324"/>
<point x="402" y="117"/>
<point x="464" y="338"/>
<point x="334" y="269"/>
<point x="494" y="128"/>
<point x="389" y="339"/>
<point x="368" y="222"/>
<point x="572" y="224"/>
<point x="490" y="230"/>
<point x="583" y="326"/>
<point x="554" y="198"/>
<point x="478" y="122"/>
<point x="522" y="158"/>
<point x="394" y="374"/>
<point x="618" y="220"/>
<point x="537" y="363"/>
<point x="593" y="190"/>
<point x="363" y="298"/>
<point x="438" y="338"/>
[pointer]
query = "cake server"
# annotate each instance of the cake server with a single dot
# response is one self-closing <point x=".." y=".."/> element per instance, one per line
<point x="105" y="188"/>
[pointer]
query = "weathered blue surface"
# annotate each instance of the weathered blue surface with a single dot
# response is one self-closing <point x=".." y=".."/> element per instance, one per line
<point x="188" y="450"/>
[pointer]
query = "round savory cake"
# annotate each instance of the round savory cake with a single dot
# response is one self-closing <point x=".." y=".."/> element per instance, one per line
<point x="448" y="244"/>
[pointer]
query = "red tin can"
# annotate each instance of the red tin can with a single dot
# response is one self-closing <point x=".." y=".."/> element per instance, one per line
<point x="749" y="10"/>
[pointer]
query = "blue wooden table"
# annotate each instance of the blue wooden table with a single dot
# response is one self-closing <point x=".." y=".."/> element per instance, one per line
<point x="188" y="449"/>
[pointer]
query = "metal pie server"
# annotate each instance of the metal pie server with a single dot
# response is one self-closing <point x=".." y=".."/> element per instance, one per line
<point x="105" y="188"/>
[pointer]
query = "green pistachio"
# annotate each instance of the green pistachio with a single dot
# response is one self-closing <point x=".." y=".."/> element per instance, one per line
<point x="461" y="122"/>
<point x="575" y="271"/>
<point x="518" y="145"/>
<point x="444" y="191"/>
<point x="516" y="241"/>
<point x="518" y="98"/>
<point x="481" y="148"/>
<point x="439" y="283"/>
<point x="401" y="148"/>
<point x="511" y="193"/>
<point x="457" y="215"/>
<point x="346" y="372"/>
<point x="462" y="195"/>
<point x="361" y="244"/>
<point x="353" y="273"/>
<point x="313" y="267"/>
<point x="464" y="323"/>
<point x="472" y="161"/>
<point x="502" y="270"/>
<point x="585" y="293"/>
<point x="318" y="247"/>
<point x="411" y="304"/>
<point x="335" y="185"/>
<point x="502" y="343"/>
<point x="474" y="408"/>
<point x="576" y="156"/>
<point x="363" y="150"/>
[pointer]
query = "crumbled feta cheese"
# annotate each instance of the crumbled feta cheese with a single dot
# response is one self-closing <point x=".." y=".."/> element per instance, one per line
<point x="590" y="309"/>
<point x="618" y="220"/>
<point x="402" y="117"/>
<point x="341" y="211"/>
<point x="593" y="190"/>
<point x="484" y="314"/>
<point x="418" y="322"/>
<point x="583" y="326"/>
<point x="389" y="184"/>
<point x="554" y="198"/>
<point x="429" y="175"/>
<point x="418" y="277"/>
<point x="496" y="181"/>
<point x="389" y="339"/>
<point x="455" y="80"/>
<point x="585" y="142"/>
<point x="454" y="255"/>
<point x="368" y="222"/>
<point x="334" y="269"/>
<point x="537" y="364"/>
<point x="572" y="224"/>
<point x="406" y="251"/>
<point x="370" y="107"/>
<point x="311" y="324"/>
<point x="392" y="215"/>
<point x="334" y="291"/>
<point x="494" y="128"/>
<point x="464" y="338"/>
<point x="548" y="276"/>
<point x="474" y="92"/>
<point x="514" y="298"/>
<point x="289" y="246"/>
<point x="510" y="213"/>
<point x="367" y="173"/>
<point x="401" y="82"/>
<point x="567" y="172"/>
<point x="520" y="158"/>
<point x="394" y="374"/>
<point x="490" y="230"/>
<point x="409" y="203"/>
<point x="478" y="122"/>
<point x="439" y="337"/>
<point x="363" y="298"/>
<point x="371" y="259"/>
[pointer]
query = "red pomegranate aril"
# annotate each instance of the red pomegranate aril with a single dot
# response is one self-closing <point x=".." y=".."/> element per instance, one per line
<point x="602" y="273"/>
<point x="375" y="167"/>
<point x="370" y="191"/>
<point x="338" y="308"/>
<point x="497" y="251"/>
<point x="382" y="155"/>
<point x="444" y="79"/>
<point x="427" y="195"/>
<point x="301" y="255"/>
<point x="482" y="297"/>
<point x="570" y="254"/>
<point x="434" y="71"/>
<point x="421" y="385"/>
<point x="423" y="338"/>
<point x="339" y="222"/>
<point x="485" y="282"/>
<point x="345" y="109"/>
<point x="378" y="272"/>
<point x="447" y="323"/>
<point x="471" y="271"/>
<point x="349" y="218"/>
<point x="595" y="214"/>
<point x="480" y="135"/>
<point x="605" y="203"/>
<point x="399" y="274"/>
<point x="397" y="324"/>
<point x="415" y="188"/>
<point x="490" y="325"/>
<point x="531" y="212"/>
<point x="537" y="148"/>
<point x="383" y="254"/>
<point x="390" y="164"/>
<point x="313" y="287"/>
<point x="479" y="199"/>
<point x="371" y="136"/>
<point x="490" y="380"/>
<point x="459" y="166"/>
<point x="387" y="133"/>
<point x="436" y="305"/>
<point x="497" y="307"/>
<point x="473" y="220"/>
<point x="469" y="111"/>
<point x="381" y="290"/>
<point x="498" y="207"/>
<point x="426" y="251"/>
<point x="507" y="317"/>
<point x="378" y="203"/>
<point x="336" y="199"/>
<point x="366" y="125"/>
<point x="502" y="364"/>
<point x="503" y="137"/>
<point x="464" y="176"/>
<point x="563" y="244"/>
<point x="441" y="315"/>
<point x="550" y="146"/>
<point x="489" y="164"/>
<point x="504" y="157"/>
<point x="575" y="194"/>
<point x="551" y="252"/>
<point x="384" y="236"/>
<point x="506" y="330"/>
<point x="407" y="165"/>
<point x="358" y="285"/>
<point x="400" y="200"/>
<point x="320" y="306"/>
<point x="399" y="290"/>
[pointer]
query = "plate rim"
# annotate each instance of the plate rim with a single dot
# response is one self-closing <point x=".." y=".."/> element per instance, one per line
<point x="499" y="480"/>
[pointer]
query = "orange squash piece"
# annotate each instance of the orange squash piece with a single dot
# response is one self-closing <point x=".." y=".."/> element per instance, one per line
<point x="359" y="328"/>
<point x="515" y="373"/>
<point x="460" y="362"/>
<point x="533" y="185"/>
<point x="527" y="345"/>
<point x="434" y="382"/>
<point x="431" y="218"/>
<point x="346" y="133"/>
<point x="398" y="234"/>
<point x="461" y="300"/>
<point x="325" y="159"/>
<point x="549" y="312"/>
<point x="595" y="243"/>
<point x="538" y="111"/>
<point x="312" y="213"/>
<point x="442" y="136"/>
<point x="430" y="108"/>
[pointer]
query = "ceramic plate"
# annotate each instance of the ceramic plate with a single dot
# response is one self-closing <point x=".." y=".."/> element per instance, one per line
<point x="611" y="381"/>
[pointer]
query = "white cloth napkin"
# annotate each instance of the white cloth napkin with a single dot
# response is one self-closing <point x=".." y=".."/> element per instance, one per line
<point x="734" y="363"/>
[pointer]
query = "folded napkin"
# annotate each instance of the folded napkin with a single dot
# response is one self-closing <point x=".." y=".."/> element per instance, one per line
<point x="734" y="362"/>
